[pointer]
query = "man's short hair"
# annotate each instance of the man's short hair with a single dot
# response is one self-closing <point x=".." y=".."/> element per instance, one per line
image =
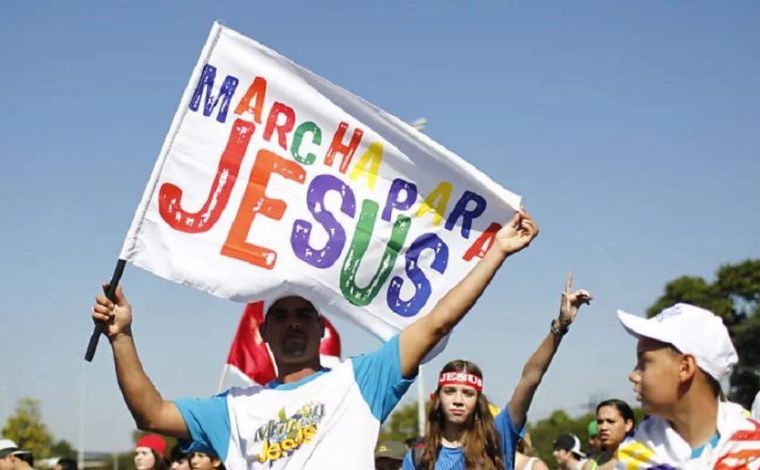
<point x="273" y="304"/>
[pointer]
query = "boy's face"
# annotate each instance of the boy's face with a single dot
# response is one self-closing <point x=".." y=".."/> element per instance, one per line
<point x="657" y="376"/>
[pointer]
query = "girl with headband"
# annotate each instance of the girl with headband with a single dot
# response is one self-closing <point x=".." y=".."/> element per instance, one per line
<point x="461" y="432"/>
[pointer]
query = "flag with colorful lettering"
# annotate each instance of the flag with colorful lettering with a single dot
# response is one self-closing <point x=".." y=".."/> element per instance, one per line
<point x="273" y="181"/>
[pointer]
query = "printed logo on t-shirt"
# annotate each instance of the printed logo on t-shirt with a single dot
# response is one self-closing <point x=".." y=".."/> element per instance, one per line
<point x="281" y="437"/>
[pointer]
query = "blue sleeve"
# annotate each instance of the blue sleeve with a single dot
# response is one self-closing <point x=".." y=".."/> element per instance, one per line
<point x="408" y="463"/>
<point x="208" y="422"/>
<point x="378" y="375"/>
<point x="509" y="435"/>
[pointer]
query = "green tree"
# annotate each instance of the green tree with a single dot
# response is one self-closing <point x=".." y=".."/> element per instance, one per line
<point x="26" y="427"/>
<point x="735" y="296"/>
<point x="402" y="424"/>
<point x="63" y="448"/>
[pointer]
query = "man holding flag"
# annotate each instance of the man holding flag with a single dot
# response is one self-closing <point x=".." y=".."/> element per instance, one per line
<point x="308" y="417"/>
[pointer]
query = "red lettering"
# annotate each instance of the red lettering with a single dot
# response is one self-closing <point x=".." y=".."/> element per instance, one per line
<point x="483" y="243"/>
<point x="170" y="195"/>
<point x="338" y="147"/>
<point x="279" y="109"/>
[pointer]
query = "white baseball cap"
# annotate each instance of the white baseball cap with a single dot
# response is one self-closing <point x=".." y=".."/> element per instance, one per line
<point x="7" y="446"/>
<point x="691" y="330"/>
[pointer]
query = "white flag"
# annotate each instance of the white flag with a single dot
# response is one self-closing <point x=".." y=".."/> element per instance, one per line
<point x="274" y="181"/>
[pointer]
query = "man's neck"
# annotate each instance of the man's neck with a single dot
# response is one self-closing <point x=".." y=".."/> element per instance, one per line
<point x="695" y="418"/>
<point x="288" y="374"/>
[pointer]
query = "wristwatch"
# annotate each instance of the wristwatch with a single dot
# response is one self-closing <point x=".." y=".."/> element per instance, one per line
<point x="557" y="329"/>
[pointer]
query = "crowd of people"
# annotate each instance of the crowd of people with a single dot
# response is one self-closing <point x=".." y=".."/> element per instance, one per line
<point x="310" y="415"/>
<point x="683" y="353"/>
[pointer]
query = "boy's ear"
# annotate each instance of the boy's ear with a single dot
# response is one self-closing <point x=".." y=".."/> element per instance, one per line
<point x="687" y="367"/>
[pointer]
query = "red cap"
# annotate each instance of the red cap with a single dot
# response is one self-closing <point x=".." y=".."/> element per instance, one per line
<point x="154" y="442"/>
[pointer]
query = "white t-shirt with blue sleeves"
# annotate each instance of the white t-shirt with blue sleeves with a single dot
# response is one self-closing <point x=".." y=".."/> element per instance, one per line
<point x="329" y="418"/>
<point x="452" y="458"/>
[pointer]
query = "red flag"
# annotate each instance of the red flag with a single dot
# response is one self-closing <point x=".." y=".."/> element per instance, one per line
<point x="251" y="357"/>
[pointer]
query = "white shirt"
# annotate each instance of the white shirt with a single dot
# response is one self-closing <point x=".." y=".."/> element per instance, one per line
<point x="657" y="444"/>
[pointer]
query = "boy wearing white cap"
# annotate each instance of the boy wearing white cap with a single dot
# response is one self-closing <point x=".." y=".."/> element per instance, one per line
<point x="682" y="354"/>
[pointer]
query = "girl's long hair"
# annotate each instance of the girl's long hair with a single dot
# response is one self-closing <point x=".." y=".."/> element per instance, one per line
<point x="481" y="440"/>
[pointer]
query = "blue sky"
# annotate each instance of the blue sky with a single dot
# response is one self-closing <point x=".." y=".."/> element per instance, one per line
<point x="630" y="128"/>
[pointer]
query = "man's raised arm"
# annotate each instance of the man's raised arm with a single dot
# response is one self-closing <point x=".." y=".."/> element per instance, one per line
<point x="420" y="337"/>
<point x="150" y="411"/>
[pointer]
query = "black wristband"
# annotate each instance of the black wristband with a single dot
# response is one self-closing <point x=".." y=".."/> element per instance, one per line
<point x="557" y="329"/>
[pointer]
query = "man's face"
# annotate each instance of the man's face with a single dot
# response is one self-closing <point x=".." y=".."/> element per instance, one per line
<point x="458" y="403"/>
<point x="293" y="330"/>
<point x="562" y="457"/>
<point x="656" y="377"/>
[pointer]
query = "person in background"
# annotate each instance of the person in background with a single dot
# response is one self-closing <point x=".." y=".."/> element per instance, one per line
<point x="461" y="431"/>
<point x="7" y="459"/>
<point x="149" y="453"/>
<point x="615" y="421"/>
<point x="205" y="461"/>
<point x="411" y="442"/>
<point x="24" y="459"/>
<point x="682" y="354"/>
<point x="389" y="455"/>
<point x="596" y="453"/>
<point x="524" y="459"/>
<point x="568" y="454"/>
<point x="179" y="460"/>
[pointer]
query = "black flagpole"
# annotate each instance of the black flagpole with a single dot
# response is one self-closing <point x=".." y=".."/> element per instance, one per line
<point x="110" y="292"/>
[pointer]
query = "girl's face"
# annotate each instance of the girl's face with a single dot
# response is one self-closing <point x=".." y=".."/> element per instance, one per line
<point x="144" y="458"/>
<point x="458" y="403"/>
